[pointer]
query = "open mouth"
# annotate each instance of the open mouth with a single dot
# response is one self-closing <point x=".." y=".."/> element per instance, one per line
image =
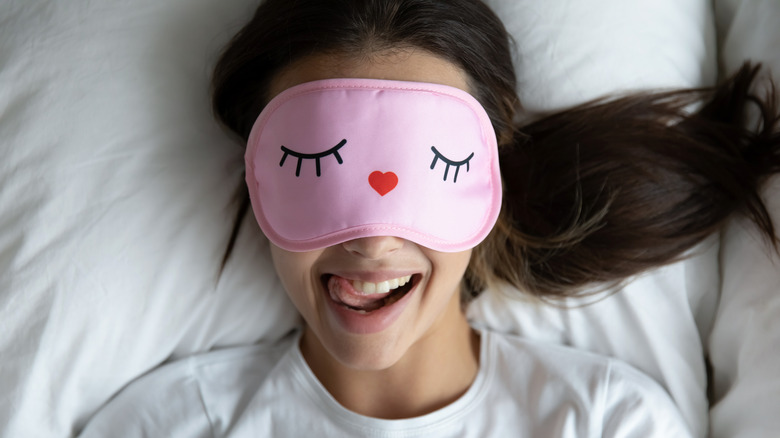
<point x="364" y="297"/>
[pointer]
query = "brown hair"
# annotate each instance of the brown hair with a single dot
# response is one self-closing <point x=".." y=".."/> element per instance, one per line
<point x="592" y="195"/>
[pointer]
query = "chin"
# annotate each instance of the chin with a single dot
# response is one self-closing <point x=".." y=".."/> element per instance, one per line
<point x="367" y="353"/>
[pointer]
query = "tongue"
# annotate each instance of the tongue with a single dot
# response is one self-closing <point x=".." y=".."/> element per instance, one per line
<point x="341" y="290"/>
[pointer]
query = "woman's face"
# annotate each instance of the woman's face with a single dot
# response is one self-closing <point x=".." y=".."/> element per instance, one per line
<point x="368" y="302"/>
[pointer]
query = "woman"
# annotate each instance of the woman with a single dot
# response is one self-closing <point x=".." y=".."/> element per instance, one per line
<point x="380" y="269"/>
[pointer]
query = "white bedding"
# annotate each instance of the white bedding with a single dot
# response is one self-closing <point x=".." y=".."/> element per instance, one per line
<point x="116" y="189"/>
<point x="745" y="341"/>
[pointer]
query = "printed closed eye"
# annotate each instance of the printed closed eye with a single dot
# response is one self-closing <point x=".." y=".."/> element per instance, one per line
<point x="316" y="157"/>
<point x="448" y="162"/>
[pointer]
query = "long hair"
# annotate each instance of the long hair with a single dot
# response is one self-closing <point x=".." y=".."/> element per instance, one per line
<point x="592" y="195"/>
<point x="612" y="188"/>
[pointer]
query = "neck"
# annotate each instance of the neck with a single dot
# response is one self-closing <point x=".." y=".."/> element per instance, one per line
<point x="437" y="370"/>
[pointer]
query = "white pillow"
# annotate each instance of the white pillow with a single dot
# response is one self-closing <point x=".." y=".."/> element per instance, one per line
<point x="573" y="51"/>
<point x="117" y="187"/>
<point x="116" y="204"/>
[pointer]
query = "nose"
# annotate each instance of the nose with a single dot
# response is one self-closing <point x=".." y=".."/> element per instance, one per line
<point x="373" y="248"/>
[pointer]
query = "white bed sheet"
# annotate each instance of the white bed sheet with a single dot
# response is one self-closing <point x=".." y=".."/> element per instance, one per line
<point x="744" y="344"/>
<point x="116" y="188"/>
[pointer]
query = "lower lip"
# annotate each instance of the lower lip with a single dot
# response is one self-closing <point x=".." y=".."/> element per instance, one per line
<point x="371" y="322"/>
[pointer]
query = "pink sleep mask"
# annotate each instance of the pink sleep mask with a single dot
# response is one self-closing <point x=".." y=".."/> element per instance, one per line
<point x="339" y="159"/>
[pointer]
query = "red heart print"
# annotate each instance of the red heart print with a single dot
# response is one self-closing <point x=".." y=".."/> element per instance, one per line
<point x="383" y="183"/>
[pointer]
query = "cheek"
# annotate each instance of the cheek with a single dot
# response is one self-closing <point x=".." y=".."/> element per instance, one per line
<point x="458" y="262"/>
<point x="451" y="267"/>
<point x="295" y="271"/>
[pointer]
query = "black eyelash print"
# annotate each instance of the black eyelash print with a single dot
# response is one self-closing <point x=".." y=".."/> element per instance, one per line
<point x="332" y="151"/>
<point x="437" y="155"/>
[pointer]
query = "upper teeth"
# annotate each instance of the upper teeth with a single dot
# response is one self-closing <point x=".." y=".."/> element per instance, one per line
<point x="382" y="287"/>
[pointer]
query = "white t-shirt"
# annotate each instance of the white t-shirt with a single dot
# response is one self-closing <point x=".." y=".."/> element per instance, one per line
<point x="522" y="389"/>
